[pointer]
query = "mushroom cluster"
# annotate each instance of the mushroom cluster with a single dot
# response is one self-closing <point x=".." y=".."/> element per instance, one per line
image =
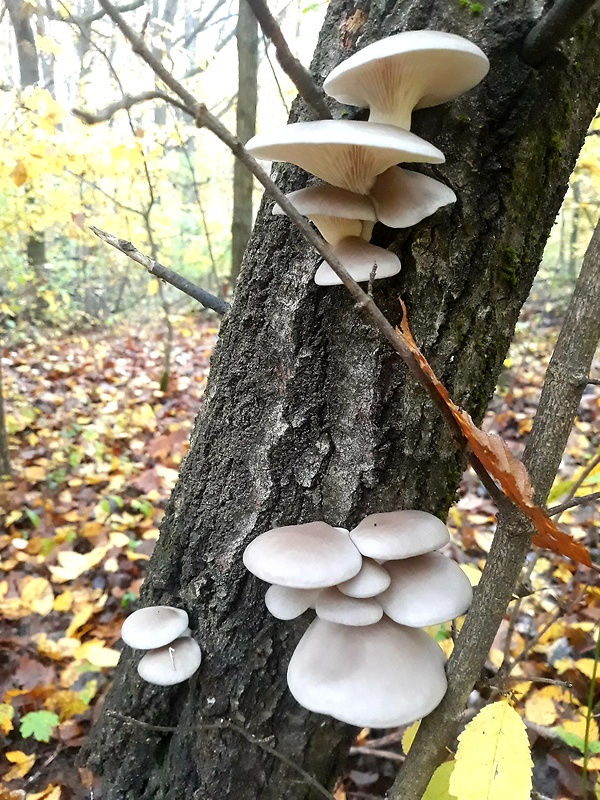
<point x="173" y="656"/>
<point x="364" y="659"/>
<point x="414" y="69"/>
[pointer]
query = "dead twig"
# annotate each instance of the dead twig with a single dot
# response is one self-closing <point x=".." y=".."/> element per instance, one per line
<point x="164" y="273"/>
<point x="576" y="501"/>
<point x="293" y="68"/>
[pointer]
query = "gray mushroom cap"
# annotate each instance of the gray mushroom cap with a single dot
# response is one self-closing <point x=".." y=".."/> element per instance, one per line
<point x="336" y="212"/>
<point x="154" y="626"/>
<point x="335" y="606"/>
<point x="370" y="581"/>
<point x="344" y="153"/>
<point x="286" y="603"/>
<point x="413" y="69"/>
<point x="393" y="535"/>
<point x="402" y="198"/>
<point x="380" y="675"/>
<point x="309" y="556"/>
<point x="359" y="257"/>
<point x="426" y="590"/>
<point x="174" y="663"/>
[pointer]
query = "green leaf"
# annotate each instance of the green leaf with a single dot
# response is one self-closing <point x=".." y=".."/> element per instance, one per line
<point x="39" y="724"/>
<point x="576" y="741"/>
<point x="438" y="788"/>
<point x="33" y="517"/>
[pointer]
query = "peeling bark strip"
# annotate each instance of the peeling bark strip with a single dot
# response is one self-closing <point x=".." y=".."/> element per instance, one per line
<point x="309" y="416"/>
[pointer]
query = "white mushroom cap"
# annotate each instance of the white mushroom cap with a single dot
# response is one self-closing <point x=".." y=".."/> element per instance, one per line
<point x="399" y="534"/>
<point x="377" y="676"/>
<point x="426" y="590"/>
<point x="414" y="69"/>
<point x="287" y="603"/>
<point x="359" y="257"/>
<point x="334" y="606"/>
<point x="343" y="153"/>
<point x="310" y="556"/>
<point x="402" y="198"/>
<point x="336" y="212"/>
<point x="154" y="626"/>
<point x="174" y="663"/>
<point x="370" y="581"/>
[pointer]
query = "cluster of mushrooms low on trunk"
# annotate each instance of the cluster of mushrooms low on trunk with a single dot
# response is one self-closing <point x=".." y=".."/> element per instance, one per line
<point x="364" y="659"/>
<point x="358" y="160"/>
<point x="172" y="655"/>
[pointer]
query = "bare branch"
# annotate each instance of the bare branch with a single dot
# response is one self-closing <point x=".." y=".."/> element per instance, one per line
<point x="50" y="14"/>
<point x="126" y="102"/>
<point x="576" y="501"/>
<point x="552" y="28"/>
<point x="200" y="26"/>
<point x="293" y="68"/>
<point x="164" y="273"/>
<point x="591" y="465"/>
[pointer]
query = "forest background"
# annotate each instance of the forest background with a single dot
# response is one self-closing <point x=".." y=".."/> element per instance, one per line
<point x="103" y="369"/>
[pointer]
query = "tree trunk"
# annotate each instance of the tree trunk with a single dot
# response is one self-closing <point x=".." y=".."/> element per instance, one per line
<point x="243" y="182"/>
<point x="5" y="469"/>
<point x="309" y="416"/>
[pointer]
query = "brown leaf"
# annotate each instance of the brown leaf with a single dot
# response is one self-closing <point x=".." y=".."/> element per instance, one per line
<point x="497" y="459"/>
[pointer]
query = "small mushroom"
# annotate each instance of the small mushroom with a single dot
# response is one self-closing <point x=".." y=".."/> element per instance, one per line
<point x="155" y="626"/>
<point x="359" y="258"/>
<point x="344" y="153"/>
<point x="370" y="581"/>
<point x="309" y="556"/>
<point x="426" y="590"/>
<point x="336" y="212"/>
<point x="414" y="69"/>
<point x="402" y="198"/>
<point x="287" y="603"/>
<point x="377" y="676"/>
<point x="174" y="663"/>
<point x="334" y="606"/>
<point x="392" y="535"/>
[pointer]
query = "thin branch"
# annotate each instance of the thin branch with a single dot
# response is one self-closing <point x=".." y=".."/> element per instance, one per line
<point x="552" y="28"/>
<point x="365" y="750"/>
<point x="576" y="501"/>
<point x="199" y="27"/>
<point x="589" y="468"/>
<point x="126" y="102"/>
<point x="301" y="77"/>
<point x="164" y="273"/>
<point x="227" y="725"/>
<point x="53" y="15"/>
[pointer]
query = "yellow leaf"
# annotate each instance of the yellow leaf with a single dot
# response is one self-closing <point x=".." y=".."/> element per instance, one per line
<point x="540" y="706"/>
<point x="493" y="760"/>
<point x="593" y="763"/>
<point x="438" y="788"/>
<point x="61" y="650"/>
<point x="63" y="601"/>
<point x="37" y="595"/>
<point x="49" y="793"/>
<point x="152" y="286"/>
<point x="34" y="474"/>
<point x="80" y="618"/>
<point x="66" y="703"/>
<point x="7" y="712"/>
<point x="72" y="565"/>
<point x="19" y="174"/>
<point x="97" y="654"/>
<point x="22" y="764"/>
<point x="577" y="726"/>
<point x="586" y="666"/>
<point x="408" y="736"/>
<point x="472" y="573"/>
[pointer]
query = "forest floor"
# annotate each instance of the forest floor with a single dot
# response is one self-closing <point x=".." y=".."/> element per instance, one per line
<point x="95" y="448"/>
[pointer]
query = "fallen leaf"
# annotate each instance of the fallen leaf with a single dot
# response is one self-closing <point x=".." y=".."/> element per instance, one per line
<point x="22" y="764"/>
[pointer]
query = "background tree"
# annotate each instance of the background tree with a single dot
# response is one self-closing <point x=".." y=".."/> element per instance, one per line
<point x="308" y="415"/>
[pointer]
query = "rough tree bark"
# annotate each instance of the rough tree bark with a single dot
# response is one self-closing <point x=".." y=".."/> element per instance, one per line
<point x="243" y="181"/>
<point x="309" y="416"/>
